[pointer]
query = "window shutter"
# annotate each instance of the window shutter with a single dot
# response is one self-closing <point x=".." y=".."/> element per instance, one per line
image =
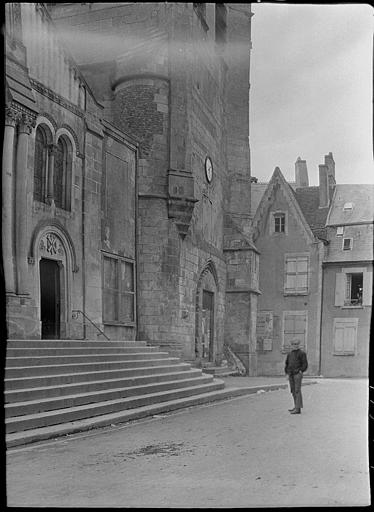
<point x="367" y="289"/>
<point x="345" y="335"/>
<point x="349" y="338"/>
<point x="339" y="289"/>
<point x="339" y="338"/>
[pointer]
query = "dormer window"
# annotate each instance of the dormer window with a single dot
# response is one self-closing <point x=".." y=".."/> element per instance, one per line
<point x="347" y="244"/>
<point x="340" y="231"/>
<point x="348" y="207"/>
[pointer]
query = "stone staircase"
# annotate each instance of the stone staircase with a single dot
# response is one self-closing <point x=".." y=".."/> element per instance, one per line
<point x="57" y="387"/>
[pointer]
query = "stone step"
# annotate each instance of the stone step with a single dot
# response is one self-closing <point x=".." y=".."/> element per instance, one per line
<point x="28" y="371"/>
<point x="18" y="409"/>
<point x="69" y="414"/>
<point x="74" y="351"/>
<point x="54" y="431"/>
<point x="219" y="371"/>
<point x="86" y="357"/>
<point x="62" y="379"/>
<point x="73" y="343"/>
<point x="43" y="392"/>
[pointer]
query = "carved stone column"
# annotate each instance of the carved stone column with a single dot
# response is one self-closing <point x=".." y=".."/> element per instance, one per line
<point x="26" y="124"/>
<point x="8" y="199"/>
<point x="52" y="150"/>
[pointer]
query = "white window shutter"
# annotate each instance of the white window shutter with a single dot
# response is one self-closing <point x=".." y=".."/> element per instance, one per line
<point x="367" y="289"/>
<point x="340" y="289"/>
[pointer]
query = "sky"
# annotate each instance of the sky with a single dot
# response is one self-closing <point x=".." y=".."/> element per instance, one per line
<point x="311" y="89"/>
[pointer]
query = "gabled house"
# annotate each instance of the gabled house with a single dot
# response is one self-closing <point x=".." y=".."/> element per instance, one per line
<point x="347" y="282"/>
<point x="315" y="276"/>
<point x="290" y="279"/>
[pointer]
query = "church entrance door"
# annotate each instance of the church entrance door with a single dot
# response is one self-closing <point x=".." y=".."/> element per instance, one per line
<point x="207" y="326"/>
<point x="50" y="298"/>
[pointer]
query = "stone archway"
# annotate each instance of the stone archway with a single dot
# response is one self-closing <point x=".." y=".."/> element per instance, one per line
<point x="205" y="317"/>
<point x="54" y="263"/>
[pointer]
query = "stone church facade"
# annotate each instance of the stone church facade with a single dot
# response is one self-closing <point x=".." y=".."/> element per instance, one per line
<point x="126" y="176"/>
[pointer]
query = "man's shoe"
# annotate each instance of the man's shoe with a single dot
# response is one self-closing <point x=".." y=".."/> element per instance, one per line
<point x="291" y="409"/>
<point x="295" y="411"/>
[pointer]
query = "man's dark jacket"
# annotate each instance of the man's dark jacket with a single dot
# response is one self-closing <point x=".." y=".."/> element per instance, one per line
<point x="296" y="361"/>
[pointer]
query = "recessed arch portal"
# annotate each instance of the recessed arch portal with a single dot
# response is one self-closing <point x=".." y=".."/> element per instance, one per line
<point x="205" y="325"/>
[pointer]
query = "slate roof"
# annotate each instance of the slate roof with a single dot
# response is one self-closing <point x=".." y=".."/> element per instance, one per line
<point x="18" y="85"/>
<point x="257" y="191"/>
<point x="362" y="197"/>
<point x="308" y="199"/>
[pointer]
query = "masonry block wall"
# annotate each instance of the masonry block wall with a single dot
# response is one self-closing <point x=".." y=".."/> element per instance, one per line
<point x="57" y="90"/>
<point x="166" y="85"/>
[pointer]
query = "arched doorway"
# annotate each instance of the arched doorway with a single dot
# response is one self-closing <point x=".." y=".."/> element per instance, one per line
<point x="50" y="298"/>
<point x="205" y="327"/>
<point x="54" y="267"/>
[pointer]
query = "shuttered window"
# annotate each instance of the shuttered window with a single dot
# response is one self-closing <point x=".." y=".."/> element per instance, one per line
<point x="353" y="287"/>
<point x="345" y="336"/>
<point x="296" y="274"/>
<point x="294" y="326"/>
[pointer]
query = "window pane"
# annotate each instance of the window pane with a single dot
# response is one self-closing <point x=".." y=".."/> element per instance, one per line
<point x="58" y="175"/>
<point x="110" y="305"/>
<point x="356" y="287"/>
<point x="127" y="307"/>
<point x="39" y="165"/>
<point x="127" y="277"/>
<point x="110" y="274"/>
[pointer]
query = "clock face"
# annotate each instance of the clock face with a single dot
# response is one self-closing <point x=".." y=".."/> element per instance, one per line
<point x="208" y="169"/>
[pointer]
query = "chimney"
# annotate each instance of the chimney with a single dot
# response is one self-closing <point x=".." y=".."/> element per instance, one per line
<point x="324" y="197"/>
<point x="329" y="161"/>
<point x="301" y="173"/>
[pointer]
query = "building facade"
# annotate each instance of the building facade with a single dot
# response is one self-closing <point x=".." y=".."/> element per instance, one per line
<point x="348" y="283"/>
<point x="290" y="278"/>
<point x="126" y="176"/>
<point x="316" y="254"/>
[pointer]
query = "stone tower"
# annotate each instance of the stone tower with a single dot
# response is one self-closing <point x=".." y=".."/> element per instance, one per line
<point x="175" y="76"/>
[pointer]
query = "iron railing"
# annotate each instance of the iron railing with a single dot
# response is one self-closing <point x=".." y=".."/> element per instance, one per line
<point x="75" y="314"/>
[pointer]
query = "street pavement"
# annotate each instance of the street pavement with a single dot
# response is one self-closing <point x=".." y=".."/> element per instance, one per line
<point x="243" y="452"/>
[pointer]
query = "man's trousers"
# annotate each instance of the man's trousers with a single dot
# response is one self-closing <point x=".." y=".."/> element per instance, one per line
<point x="295" y="387"/>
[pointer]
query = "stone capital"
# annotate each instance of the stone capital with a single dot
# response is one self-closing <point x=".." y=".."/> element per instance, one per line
<point x="52" y="149"/>
<point x="11" y="116"/>
<point x="27" y="123"/>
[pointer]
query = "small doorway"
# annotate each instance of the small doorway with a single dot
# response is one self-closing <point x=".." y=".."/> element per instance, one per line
<point x="207" y="326"/>
<point x="50" y="298"/>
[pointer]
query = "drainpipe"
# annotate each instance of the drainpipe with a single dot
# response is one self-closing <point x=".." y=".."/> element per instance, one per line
<point x="321" y="322"/>
<point x="83" y="232"/>
<point x="137" y="264"/>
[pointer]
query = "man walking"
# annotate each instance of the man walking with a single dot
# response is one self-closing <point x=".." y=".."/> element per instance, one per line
<point x="296" y="364"/>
